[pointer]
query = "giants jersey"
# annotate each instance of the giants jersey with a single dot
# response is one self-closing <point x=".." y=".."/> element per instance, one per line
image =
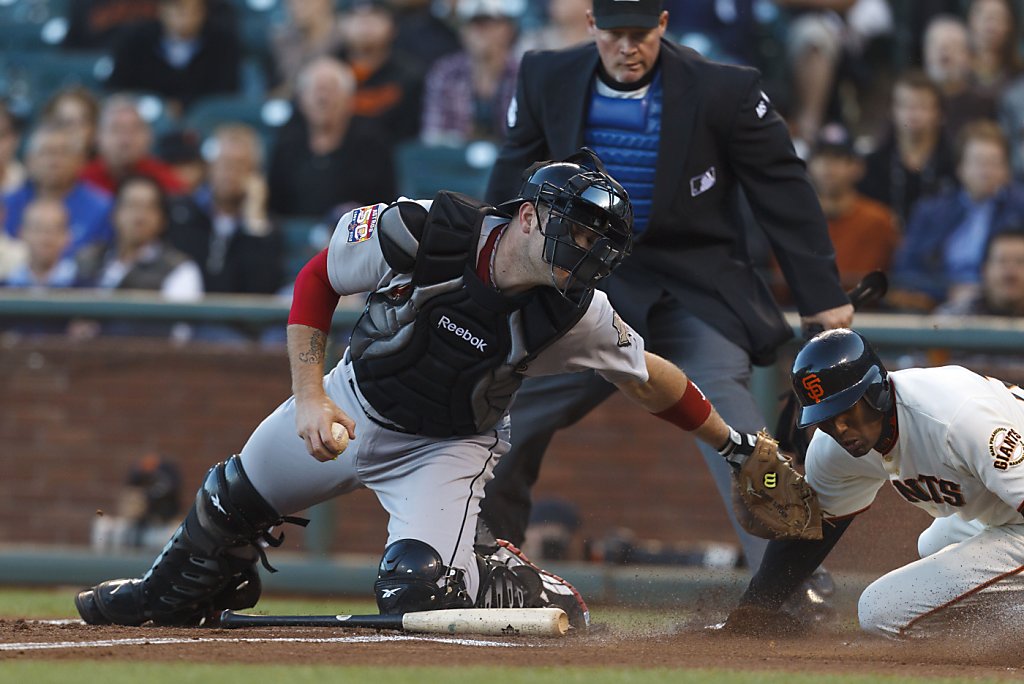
<point x="959" y="451"/>
<point x="600" y="340"/>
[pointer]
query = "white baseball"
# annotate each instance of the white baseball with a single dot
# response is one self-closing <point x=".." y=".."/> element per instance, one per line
<point x="340" y="435"/>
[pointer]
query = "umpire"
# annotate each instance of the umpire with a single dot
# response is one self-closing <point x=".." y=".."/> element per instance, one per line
<point x="688" y="138"/>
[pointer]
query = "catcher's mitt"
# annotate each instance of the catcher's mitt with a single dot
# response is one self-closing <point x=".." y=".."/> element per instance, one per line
<point x="772" y="500"/>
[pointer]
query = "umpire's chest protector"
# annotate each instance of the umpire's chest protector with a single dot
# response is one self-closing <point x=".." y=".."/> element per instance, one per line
<point x="440" y="358"/>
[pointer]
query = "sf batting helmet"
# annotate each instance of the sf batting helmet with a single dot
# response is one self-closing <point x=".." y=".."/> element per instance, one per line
<point x="833" y="371"/>
<point x="590" y="223"/>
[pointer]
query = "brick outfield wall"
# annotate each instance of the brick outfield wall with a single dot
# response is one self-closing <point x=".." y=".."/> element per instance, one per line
<point x="74" y="417"/>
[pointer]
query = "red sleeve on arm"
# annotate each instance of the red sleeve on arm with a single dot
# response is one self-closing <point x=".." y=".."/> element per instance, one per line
<point x="690" y="411"/>
<point x="314" y="300"/>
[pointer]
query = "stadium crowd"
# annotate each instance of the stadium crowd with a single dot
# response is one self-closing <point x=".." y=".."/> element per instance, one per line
<point x="195" y="146"/>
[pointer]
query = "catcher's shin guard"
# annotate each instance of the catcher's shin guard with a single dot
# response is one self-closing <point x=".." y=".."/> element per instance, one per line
<point x="208" y="565"/>
<point x="509" y="580"/>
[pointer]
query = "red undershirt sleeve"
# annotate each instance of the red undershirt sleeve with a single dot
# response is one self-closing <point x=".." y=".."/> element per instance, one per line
<point x="314" y="299"/>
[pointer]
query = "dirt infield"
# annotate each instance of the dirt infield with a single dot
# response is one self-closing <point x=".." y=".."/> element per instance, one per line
<point x="836" y="649"/>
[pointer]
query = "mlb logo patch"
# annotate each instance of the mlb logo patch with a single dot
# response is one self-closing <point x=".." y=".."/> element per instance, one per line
<point x="364" y="220"/>
<point x="702" y="183"/>
<point x="762" y="106"/>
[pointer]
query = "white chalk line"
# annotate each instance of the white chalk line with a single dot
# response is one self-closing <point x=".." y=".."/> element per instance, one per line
<point x="160" y="641"/>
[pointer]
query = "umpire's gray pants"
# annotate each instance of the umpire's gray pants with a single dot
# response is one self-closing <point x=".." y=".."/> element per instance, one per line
<point x="544" y="405"/>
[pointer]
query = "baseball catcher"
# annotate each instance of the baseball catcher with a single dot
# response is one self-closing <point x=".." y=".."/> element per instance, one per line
<point x="466" y="301"/>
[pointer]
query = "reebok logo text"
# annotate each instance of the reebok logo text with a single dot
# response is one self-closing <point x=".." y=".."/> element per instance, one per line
<point x="445" y="323"/>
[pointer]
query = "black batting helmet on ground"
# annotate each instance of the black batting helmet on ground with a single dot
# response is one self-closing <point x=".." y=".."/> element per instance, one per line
<point x="833" y="371"/>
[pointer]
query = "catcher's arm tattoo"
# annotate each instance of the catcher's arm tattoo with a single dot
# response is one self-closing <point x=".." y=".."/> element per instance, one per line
<point x="306" y="352"/>
<point x="317" y="347"/>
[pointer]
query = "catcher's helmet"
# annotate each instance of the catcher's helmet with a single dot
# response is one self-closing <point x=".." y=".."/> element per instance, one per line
<point x="833" y="371"/>
<point x="585" y="204"/>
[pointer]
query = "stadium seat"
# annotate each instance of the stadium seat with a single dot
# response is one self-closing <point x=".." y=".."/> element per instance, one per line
<point x="424" y="169"/>
<point x="31" y="77"/>
<point x="303" y="237"/>
<point x="264" y="116"/>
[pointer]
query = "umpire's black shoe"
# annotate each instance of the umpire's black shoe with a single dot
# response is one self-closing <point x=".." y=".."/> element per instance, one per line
<point x="115" y="602"/>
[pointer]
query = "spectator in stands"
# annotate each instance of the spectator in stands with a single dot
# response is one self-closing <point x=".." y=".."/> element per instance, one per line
<point x="914" y="20"/>
<point x="725" y="31"/>
<point x="124" y="142"/>
<point x="311" y="30"/>
<point x="54" y="160"/>
<point x="181" y="150"/>
<point x="424" y="35"/>
<point x="1002" y="280"/>
<point x="225" y="227"/>
<point x="12" y="173"/>
<point x="389" y="88"/>
<point x="467" y="94"/>
<point x="99" y="24"/>
<point x="148" y="507"/>
<point x="863" y="231"/>
<point x="993" y="30"/>
<point x="914" y="159"/>
<point x="815" y="48"/>
<point x="45" y="233"/>
<point x="78" y="109"/>
<point x="183" y="56"/>
<point x="139" y="259"/>
<point x="947" y="61"/>
<point x="328" y="157"/>
<point x="567" y="26"/>
<point x="554" y="531"/>
<point x="940" y="259"/>
<point x="13" y="252"/>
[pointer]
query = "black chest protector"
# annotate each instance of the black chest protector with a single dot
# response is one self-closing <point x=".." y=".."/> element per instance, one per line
<point x="444" y="356"/>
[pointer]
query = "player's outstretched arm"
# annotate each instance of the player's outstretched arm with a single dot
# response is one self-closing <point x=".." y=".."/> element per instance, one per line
<point x="670" y="395"/>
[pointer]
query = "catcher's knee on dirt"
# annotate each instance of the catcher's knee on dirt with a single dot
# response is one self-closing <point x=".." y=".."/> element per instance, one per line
<point x="412" y="577"/>
<point x="208" y="565"/>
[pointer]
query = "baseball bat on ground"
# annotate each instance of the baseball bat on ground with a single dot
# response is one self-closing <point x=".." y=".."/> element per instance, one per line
<point x="485" y="621"/>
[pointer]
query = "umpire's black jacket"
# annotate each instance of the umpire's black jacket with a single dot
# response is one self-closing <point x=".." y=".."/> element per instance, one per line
<point x="718" y="132"/>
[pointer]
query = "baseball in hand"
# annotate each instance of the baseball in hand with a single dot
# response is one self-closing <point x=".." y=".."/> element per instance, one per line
<point x="340" y="435"/>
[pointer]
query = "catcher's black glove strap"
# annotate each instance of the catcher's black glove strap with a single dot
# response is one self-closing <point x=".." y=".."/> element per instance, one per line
<point x="787" y="563"/>
<point x="737" y="448"/>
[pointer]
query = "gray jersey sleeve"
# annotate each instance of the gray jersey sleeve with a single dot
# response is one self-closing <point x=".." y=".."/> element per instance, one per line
<point x="354" y="259"/>
<point x="601" y="341"/>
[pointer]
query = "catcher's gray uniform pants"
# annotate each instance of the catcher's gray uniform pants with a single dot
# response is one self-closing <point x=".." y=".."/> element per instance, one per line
<point x="431" y="488"/>
<point x="968" y="582"/>
<point x="544" y="405"/>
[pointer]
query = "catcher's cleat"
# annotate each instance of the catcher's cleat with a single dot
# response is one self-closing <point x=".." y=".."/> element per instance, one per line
<point x="208" y="565"/>
<point x="508" y="579"/>
<point x="115" y="602"/>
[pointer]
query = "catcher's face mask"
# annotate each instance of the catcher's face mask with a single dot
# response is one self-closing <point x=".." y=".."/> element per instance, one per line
<point x="589" y="227"/>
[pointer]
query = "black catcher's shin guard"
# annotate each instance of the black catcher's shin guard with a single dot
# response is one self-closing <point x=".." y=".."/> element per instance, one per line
<point x="208" y="565"/>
